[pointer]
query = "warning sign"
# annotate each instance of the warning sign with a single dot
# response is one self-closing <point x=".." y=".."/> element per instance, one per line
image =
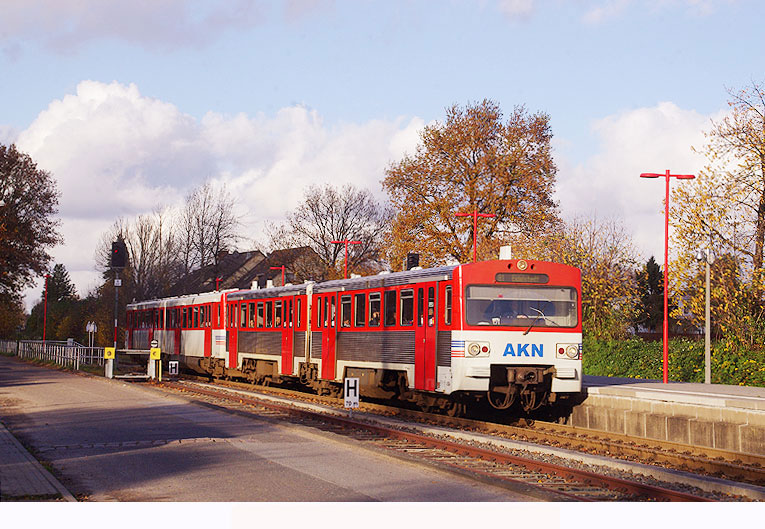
<point x="109" y="353"/>
<point x="155" y="353"/>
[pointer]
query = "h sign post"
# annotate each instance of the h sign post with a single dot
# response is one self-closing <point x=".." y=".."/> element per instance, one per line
<point x="351" y="393"/>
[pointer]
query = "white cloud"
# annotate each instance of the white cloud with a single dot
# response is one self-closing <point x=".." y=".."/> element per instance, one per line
<point x="633" y="142"/>
<point x="65" y="24"/>
<point x="115" y="152"/>
<point x="516" y="9"/>
<point x="606" y="10"/>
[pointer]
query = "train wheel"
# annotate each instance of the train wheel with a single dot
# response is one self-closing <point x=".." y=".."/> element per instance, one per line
<point x="456" y="409"/>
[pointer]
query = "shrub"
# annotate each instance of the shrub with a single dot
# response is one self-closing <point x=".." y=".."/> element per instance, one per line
<point x="732" y="363"/>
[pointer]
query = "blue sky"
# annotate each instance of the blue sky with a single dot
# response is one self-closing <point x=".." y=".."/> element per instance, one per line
<point x="143" y="100"/>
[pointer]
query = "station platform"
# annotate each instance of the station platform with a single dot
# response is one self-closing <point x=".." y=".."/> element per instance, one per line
<point x="22" y="477"/>
<point x="717" y="416"/>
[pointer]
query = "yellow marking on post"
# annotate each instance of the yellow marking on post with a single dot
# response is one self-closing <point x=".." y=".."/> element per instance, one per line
<point x="155" y="353"/>
<point x="109" y="353"/>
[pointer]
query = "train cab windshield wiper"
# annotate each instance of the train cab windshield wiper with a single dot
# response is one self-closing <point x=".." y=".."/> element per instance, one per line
<point x="540" y="317"/>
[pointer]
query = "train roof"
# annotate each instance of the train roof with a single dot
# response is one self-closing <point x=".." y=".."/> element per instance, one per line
<point x="189" y="299"/>
<point x="381" y="280"/>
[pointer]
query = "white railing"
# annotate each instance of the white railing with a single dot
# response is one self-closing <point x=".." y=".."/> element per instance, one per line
<point x="9" y="347"/>
<point x="72" y="356"/>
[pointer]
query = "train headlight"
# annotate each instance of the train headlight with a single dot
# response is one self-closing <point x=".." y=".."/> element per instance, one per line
<point x="478" y="349"/>
<point x="572" y="351"/>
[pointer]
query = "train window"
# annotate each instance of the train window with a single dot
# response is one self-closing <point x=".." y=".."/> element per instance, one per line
<point x="407" y="307"/>
<point x="431" y="306"/>
<point x="259" y="321"/>
<point x="251" y="313"/>
<point x="243" y="316"/>
<point x="448" y="305"/>
<point x="390" y="308"/>
<point x="318" y="312"/>
<point x="289" y="312"/>
<point x="420" y="307"/>
<point x="360" y="306"/>
<point x="374" y="309"/>
<point x="345" y="311"/>
<point x="269" y="314"/>
<point x="279" y="318"/>
<point x="332" y="311"/>
<point x="196" y="317"/>
<point x="326" y="312"/>
<point x="299" y="315"/>
<point x="185" y="320"/>
<point x="523" y="306"/>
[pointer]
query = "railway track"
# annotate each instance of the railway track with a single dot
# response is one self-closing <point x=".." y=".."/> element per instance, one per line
<point x="535" y="477"/>
<point x="723" y="464"/>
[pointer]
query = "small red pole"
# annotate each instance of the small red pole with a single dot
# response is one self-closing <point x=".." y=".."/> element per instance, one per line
<point x="282" y="268"/>
<point x="217" y="283"/>
<point x="475" y="216"/>
<point x="45" y="307"/>
<point x="346" y="242"/>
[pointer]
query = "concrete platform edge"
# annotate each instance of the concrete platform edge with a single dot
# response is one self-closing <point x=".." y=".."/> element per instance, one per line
<point x="37" y="467"/>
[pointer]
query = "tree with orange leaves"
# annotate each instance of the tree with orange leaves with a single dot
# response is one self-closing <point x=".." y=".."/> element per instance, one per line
<point x="472" y="161"/>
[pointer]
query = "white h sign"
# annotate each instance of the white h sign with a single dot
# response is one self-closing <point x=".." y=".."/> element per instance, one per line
<point x="351" y="392"/>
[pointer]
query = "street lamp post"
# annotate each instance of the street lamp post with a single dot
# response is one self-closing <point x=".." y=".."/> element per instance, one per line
<point x="667" y="176"/>
<point x="705" y="256"/>
<point x="475" y="216"/>
<point x="346" y="242"/>
<point x="45" y="307"/>
<point x="282" y="268"/>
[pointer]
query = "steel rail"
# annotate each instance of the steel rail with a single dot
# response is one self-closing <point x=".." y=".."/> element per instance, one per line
<point x="746" y="468"/>
<point x="582" y="476"/>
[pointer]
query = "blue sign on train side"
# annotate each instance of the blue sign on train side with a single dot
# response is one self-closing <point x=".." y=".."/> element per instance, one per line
<point x="522" y="349"/>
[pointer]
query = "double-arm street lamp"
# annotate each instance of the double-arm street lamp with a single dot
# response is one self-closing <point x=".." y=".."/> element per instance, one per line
<point x="346" y="242"/>
<point x="475" y="216"/>
<point x="667" y="176"/>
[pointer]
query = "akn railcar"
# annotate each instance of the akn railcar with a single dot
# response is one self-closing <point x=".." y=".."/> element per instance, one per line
<point x="504" y="331"/>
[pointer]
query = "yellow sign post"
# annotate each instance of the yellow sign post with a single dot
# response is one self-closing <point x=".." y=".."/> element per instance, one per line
<point x="109" y="356"/>
<point x="155" y="354"/>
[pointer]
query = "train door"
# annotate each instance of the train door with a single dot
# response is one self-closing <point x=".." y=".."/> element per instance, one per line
<point x="205" y="322"/>
<point x="231" y="315"/>
<point x="328" y="367"/>
<point x="425" y="339"/>
<point x="287" y="335"/>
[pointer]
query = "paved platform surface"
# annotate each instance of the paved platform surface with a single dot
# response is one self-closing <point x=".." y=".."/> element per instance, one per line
<point x="744" y="397"/>
<point x="113" y="441"/>
<point x="22" y="477"/>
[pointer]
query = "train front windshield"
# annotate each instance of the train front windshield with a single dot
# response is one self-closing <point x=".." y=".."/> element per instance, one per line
<point x="521" y="306"/>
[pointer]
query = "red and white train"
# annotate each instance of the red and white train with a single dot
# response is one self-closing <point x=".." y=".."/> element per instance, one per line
<point x="504" y="331"/>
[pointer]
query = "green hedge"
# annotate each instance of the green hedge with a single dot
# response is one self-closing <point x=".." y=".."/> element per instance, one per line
<point x="732" y="363"/>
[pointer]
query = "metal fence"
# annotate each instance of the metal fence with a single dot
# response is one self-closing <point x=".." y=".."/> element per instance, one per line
<point x="61" y="353"/>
